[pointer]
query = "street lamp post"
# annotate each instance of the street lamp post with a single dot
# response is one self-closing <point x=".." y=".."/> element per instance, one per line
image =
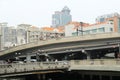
<point x="77" y="31"/>
<point x="81" y="24"/>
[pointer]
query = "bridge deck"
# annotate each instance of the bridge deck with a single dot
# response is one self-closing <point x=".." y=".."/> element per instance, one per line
<point x="48" y="67"/>
<point x="62" y="40"/>
<point x="15" y="69"/>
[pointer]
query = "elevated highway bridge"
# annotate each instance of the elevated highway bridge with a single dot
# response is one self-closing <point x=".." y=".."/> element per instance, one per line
<point x="31" y="68"/>
<point x="89" y="44"/>
<point x="101" y="67"/>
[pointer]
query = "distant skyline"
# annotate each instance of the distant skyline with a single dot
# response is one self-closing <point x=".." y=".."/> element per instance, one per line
<point x="39" y="12"/>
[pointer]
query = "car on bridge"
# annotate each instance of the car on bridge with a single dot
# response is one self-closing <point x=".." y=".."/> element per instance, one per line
<point x="19" y="62"/>
<point x="31" y="60"/>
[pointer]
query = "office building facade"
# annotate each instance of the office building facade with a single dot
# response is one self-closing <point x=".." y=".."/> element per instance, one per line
<point x="8" y="36"/>
<point x="61" y="18"/>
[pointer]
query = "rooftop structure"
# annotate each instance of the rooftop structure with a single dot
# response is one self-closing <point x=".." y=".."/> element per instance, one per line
<point x="104" y="17"/>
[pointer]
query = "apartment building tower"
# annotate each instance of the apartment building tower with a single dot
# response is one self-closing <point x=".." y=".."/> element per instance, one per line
<point x="61" y="18"/>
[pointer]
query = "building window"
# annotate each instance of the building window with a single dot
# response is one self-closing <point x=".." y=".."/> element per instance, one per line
<point x="111" y="29"/>
<point x="87" y="32"/>
<point x="94" y="31"/>
<point x="110" y="21"/>
<point x="102" y="19"/>
<point x="74" y="34"/>
<point x="101" y="29"/>
<point x="118" y="25"/>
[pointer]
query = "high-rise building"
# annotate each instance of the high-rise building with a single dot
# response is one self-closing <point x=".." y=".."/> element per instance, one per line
<point x="23" y="33"/>
<point x="2" y="37"/>
<point x="8" y="36"/>
<point x="61" y="18"/>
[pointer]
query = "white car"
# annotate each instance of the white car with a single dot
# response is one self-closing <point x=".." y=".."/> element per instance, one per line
<point x="31" y="60"/>
<point x="20" y="62"/>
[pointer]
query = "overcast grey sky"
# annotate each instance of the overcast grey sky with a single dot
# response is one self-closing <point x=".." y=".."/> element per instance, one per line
<point x="39" y="12"/>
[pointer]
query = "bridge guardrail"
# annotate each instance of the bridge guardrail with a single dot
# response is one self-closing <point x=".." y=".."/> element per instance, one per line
<point x="96" y="62"/>
<point x="93" y="64"/>
<point x="32" y="66"/>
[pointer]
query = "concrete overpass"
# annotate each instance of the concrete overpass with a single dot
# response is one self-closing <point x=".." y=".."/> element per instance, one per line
<point x="22" y="69"/>
<point x="95" y="65"/>
<point x="99" y="67"/>
<point x="66" y="45"/>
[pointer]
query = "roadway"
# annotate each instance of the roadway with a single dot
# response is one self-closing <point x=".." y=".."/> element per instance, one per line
<point x="65" y="45"/>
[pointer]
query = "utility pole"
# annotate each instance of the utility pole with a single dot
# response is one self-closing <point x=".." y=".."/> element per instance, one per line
<point x="77" y="31"/>
<point x="80" y="30"/>
<point x="81" y="24"/>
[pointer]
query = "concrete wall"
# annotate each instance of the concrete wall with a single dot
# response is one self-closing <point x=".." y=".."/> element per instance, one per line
<point x="69" y="29"/>
<point x="96" y="65"/>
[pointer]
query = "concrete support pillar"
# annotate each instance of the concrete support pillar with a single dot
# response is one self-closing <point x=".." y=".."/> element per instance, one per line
<point x="116" y="55"/>
<point x="28" y="58"/>
<point x="82" y="76"/>
<point x="110" y="77"/>
<point x="39" y="76"/>
<point x="88" y="55"/>
<point x="43" y="76"/>
<point x="91" y="77"/>
<point x="100" y="77"/>
<point x="37" y="57"/>
<point x="105" y="77"/>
